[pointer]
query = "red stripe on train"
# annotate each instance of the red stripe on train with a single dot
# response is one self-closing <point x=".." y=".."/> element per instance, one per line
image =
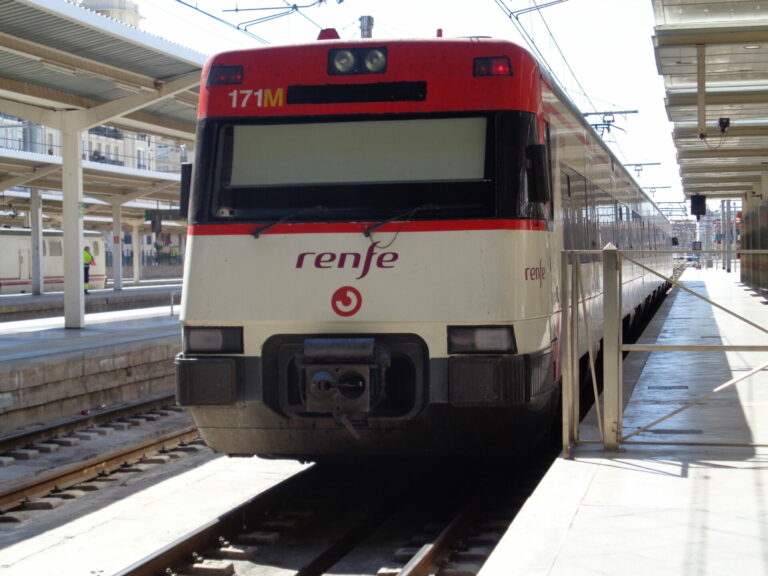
<point x="359" y="227"/>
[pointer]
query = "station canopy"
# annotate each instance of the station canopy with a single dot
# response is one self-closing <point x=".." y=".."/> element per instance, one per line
<point x="713" y="56"/>
<point x="58" y="57"/>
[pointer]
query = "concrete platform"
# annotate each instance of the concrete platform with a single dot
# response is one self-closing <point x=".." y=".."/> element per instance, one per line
<point x="692" y="496"/>
<point x="49" y="373"/>
<point x="145" y="295"/>
<point x="108" y="531"/>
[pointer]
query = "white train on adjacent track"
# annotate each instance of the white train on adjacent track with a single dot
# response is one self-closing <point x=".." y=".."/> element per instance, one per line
<point x="16" y="260"/>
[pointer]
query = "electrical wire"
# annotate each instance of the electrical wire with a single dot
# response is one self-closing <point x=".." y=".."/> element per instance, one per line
<point x="562" y="55"/>
<point x="292" y="8"/>
<point x="244" y="25"/>
<point x="305" y="16"/>
<point x="222" y="21"/>
<point x="514" y="18"/>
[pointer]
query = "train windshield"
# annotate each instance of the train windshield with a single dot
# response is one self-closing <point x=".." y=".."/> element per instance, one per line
<point x="365" y="168"/>
<point x="358" y="152"/>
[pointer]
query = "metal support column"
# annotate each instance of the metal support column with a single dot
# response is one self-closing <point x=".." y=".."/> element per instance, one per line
<point x="612" y="392"/>
<point x="36" y="230"/>
<point x="136" y="238"/>
<point x="117" y="247"/>
<point x="565" y="356"/>
<point x="728" y="235"/>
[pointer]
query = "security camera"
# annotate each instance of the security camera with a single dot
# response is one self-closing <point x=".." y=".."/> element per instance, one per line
<point x="723" y="124"/>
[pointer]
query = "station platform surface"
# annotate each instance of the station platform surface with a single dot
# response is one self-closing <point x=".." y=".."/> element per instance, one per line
<point x="24" y="340"/>
<point x="144" y="295"/>
<point x="690" y="497"/>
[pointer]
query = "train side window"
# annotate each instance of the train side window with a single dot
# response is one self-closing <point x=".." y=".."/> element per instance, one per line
<point x="580" y="211"/>
<point x="95" y="248"/>
<point x="591" y="216"/>
<point x="45" y="248"/>
<point x="550" y="151"/>
<point x="55" y="247"/>
<point x="577" y="217"/>
<point x="567" y="210"/>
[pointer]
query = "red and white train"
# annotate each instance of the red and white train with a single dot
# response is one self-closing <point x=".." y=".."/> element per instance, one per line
<point x="375" y="230"/>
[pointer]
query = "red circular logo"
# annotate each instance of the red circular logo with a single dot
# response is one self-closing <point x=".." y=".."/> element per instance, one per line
<point x="346" y="301"/>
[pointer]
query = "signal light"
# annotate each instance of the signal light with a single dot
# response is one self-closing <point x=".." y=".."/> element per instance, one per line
<point x="493" y="66"/>
<point x="225" y="75"/>
<point x="342" y="61"/>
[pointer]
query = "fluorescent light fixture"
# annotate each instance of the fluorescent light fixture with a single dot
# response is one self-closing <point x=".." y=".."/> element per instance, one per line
<point x="68" y="70"/>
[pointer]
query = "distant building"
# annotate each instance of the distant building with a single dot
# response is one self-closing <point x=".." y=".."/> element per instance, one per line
<point x="123" y="11"/>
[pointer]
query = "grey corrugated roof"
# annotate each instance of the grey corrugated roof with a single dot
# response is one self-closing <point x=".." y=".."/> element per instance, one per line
<point x="65" y="26"/>
<point x="713" y="55"/>
<point x="57" y="55"/>
<point x="112" y="59"/>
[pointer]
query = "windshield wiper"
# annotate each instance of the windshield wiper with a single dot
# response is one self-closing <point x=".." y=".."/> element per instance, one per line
<point x="401" y="216"/>
<point x="261" y="229"/>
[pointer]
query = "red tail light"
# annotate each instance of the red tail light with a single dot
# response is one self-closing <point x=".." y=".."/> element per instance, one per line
<point x="493" y="66"/>
<point x="225" y="75"/>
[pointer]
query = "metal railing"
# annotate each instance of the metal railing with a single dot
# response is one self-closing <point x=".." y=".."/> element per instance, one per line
<point x="609" y="412"/>
<point x="173" y="298"/>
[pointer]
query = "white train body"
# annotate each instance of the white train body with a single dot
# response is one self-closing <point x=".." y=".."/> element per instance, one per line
<point x="16" y="260"/>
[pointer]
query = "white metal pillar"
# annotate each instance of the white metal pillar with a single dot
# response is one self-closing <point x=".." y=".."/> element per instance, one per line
<point x="117" y="247"/>
<point x="136" y="236"/>
<point x="36" y="229"/>
<point x="72" y="189"/>
<point x="728" y="233"/>
<point x="570" y="430"/>
<point x="612" y="386"/>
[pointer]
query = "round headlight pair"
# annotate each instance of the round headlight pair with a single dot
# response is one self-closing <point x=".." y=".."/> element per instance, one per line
<point x="368" y="61"/>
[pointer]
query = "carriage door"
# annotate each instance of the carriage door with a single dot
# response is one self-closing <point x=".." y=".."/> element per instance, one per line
<point x="25" y="267"/>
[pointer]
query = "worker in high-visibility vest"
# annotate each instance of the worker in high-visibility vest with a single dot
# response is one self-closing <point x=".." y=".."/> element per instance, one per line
<point x="88" y="261"/>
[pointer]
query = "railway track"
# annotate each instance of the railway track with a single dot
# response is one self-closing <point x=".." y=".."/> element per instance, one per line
<point x="45" y="462"/>
<point x="21" y="494"/>
<point x="378" y="520"/>
<point x="95" y="417"/>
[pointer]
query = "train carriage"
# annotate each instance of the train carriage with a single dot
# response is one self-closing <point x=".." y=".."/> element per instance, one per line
<point x="374" y="244"/>
<point x="16" y="260"/>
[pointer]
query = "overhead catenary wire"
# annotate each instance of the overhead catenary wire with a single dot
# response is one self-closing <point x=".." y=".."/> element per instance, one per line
<point x="513" y="16"/>
<point x="222" y="21"/>
<point x="291" y="9"/>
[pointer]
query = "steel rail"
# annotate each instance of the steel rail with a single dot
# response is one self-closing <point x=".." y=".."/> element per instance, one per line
<point x="42" y="433"/>
<point x="206" y="536"/>
<point x="15" y="495"/>
<point x="427" y="558"/>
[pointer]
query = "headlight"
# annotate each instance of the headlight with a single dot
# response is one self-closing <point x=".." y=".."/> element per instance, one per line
<point x="481" y="340"/>
<point x="343" y="62"/>
<point x="211" y="339"/>
<point x="375" y="61"/>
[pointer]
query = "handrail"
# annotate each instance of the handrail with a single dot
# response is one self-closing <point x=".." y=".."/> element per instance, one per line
<point x="173" y="297"/>
<point x="572" y="299"/>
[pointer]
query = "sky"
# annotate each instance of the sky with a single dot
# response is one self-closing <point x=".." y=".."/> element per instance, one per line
<point x="600" y="51"/>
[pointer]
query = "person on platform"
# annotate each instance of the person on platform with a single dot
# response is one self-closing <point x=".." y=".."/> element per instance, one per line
<point x="88" y="261"/>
